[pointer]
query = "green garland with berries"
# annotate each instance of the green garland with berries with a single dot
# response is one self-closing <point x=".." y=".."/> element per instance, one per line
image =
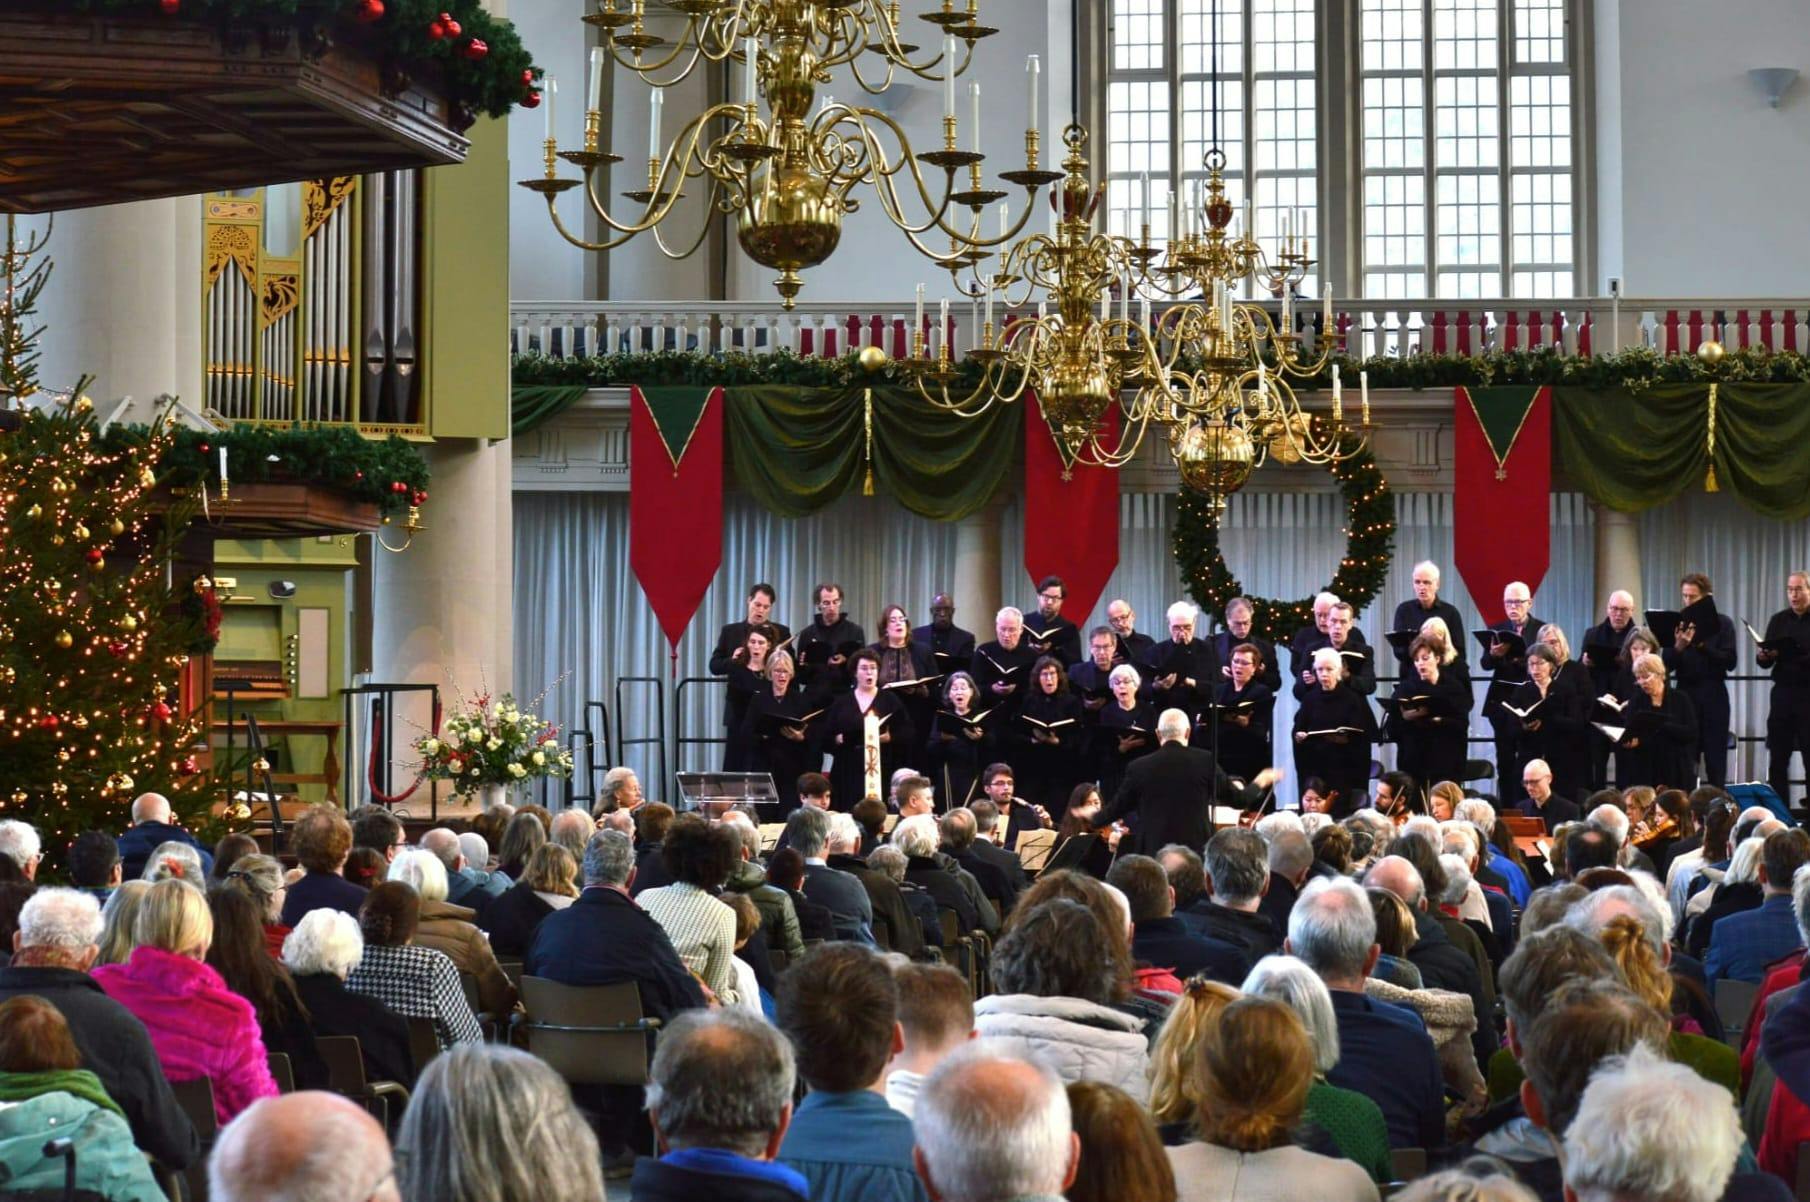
<point x="1370" y="540"/>
<point x="478" y="60"/>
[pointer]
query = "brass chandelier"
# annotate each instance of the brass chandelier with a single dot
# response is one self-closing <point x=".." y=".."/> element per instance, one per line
<point x="788" y="177"/>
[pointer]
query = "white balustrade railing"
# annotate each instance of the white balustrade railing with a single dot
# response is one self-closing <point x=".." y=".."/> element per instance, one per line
<point x="1394" y="328"/>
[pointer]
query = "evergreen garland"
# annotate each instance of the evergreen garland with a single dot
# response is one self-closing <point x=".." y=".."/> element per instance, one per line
<point x="1370" y="540"/>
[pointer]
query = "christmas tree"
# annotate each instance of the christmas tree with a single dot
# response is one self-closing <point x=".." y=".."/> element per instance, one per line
<point x="94" y="632"/>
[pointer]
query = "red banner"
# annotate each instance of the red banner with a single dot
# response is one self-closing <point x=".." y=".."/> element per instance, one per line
<point x="1071" y="515"/>
<point x="1502" y="479"/>
<point x="676" y="500"/>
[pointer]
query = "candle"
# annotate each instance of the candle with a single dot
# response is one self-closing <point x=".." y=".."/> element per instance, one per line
<point x="1005" y="221"/>
<point x="1144" y="314"/>
<point x="989" y="284"/>
<point x="949" y="76"/>
<point x="1125" y="299"/>
<point x="1288" y="228"/>
<point x="750" y="76"/>
<point x="222" y="465"/>
<point x="1105" y="304"/>
<point x="1326" y="314"/>
<point x="549" y="91"/>
<point x="1031" y="69"/>
<point x="1144" y="204"/>
<point x="942" y="328"/>
<point x="1364" y="394"/>
<point x="596" y="94"/>
<point x="654" y="149"/>
<point x="1337" y="396"/>
<point x="974" y="107"/>
<point x="917" y="326"/>
<point x="1288" y="311"/>
<point x="1263" y="384"/>
<point x="1174" y="224"/>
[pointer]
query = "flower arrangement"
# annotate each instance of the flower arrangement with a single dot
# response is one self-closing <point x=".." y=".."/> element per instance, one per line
<point x="493" y="743"/>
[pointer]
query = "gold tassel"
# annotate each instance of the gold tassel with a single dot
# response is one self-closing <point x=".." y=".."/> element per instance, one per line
<point x="867" y="485"/>
<point x="1709" y="480"/>
<point x="1709" y="450"/>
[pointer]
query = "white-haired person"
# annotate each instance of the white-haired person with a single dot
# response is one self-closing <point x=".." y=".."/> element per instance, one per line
<point x="1660" y="746"/>
<point x="1738" y="891"/>
<point x="321" y="953"/>
<point x="1412" y="615"/>
<point x="178" y="862"/>
<point x="1478" y="1179"/>
<point x="1500" y="855"/>
<point x="919" y="838"/>
<point x="1310" y="638"/>
<point x="448" y="928"/>
<point x="1334" y="730"/>
<point x="621" y="790"/>
<point x="1002" y="666"/>
<point x="1182" y="671"/>
<point x="1127" y="725"/>
<point x="992" y="1127"/>
<point x="1170" y="789"/>
<point x="303" y="1147"/>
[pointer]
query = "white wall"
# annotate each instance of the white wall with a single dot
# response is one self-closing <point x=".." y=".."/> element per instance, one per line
<point x="1708" y="182"/>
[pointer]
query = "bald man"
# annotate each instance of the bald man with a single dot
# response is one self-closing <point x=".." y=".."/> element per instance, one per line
<point x="949" y="645"/>
<point x="1508" y="671"/>
<point x="151" y="828"/>
<point x="1172" y="788"/>
<point x="1601" y="649"/>
<point x="302" y="1147"/>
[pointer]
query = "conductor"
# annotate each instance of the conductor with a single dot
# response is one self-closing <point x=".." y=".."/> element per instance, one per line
<point x="1172" y="789"/>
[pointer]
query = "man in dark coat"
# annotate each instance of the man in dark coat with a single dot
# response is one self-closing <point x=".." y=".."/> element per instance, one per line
<point x="1169" y="791"/>
<point x="151" y="828"/>
<point x="949" y="645"/>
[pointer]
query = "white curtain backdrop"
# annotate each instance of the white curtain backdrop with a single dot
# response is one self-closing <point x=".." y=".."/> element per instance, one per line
<point x="580" y="613"/>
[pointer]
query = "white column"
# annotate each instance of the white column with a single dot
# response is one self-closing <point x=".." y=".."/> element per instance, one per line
<point x="1617" y="554"/>
<point x="978" y="570"/>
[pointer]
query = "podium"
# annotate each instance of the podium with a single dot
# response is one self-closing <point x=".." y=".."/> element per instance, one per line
<point x="714" y="793"/>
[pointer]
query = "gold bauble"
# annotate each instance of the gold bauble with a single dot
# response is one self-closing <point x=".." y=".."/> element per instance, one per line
<point x="98" y="565"/>
<point x="118" y="527"/>
<point x="128" y="623"/>
<point x="1215" y="458"/>
<point x="35" y="512"/>
<point x="1710" y="352"/>
<point x="65" y="639"/>
<point x="871" y="358"/>
<point x="80" y="532"/>
<point x="147" y="478"/>
<point x="83" y="404"/>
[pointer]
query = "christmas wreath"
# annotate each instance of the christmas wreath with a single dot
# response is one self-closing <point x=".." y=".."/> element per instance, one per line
<point x="1369" y="534"/>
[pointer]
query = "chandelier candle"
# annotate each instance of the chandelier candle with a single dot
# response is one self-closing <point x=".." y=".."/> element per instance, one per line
<point x="549" y="91"/>
<point x="595" y="94"/>
<point x="1032" y="67"/>
<point x="1338" y="396"/>
<point x="750" y="73"/>
<point x="654" y="151"/>
<point x="974" y="105"/>
<point x="949" y="76"/>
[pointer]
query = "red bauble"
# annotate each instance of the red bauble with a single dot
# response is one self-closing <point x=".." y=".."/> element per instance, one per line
<point x="48" y="721"/>
<point x="531" y="99"/>
<point x="453" y="28"/>
<point x="368" y="12"/>
<point x="94" y="554"/>
<point x="527" y="77"/>
<point x="205" y="448"/>
<point x="118" y="649"/>
<point x="189" y="765"/>
<point x="420" y="496"/>
<point x="162" y="712"/>
<point x="476" y="49"/>
<point x="436" y="30"/>
<point x="358" y="475"/>
<point x="398" y="486"/>
<point x="169" y="7"/>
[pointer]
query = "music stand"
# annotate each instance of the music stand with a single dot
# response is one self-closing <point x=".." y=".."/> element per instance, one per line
<point x="714" y="793"/>
<point x="1035" y="848"/>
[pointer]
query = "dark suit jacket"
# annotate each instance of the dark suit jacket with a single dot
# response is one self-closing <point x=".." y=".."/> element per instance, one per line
<point x="1255" y="934"/>
<point x="382" y="1034"/>
<point x="903" y="932"/>
<point x="845" y="898"/>
<point x="512" y="920"/>
<point x="1168" y="791"/>
<point x="321" y="891"/>
<point x="1279" y="902"/>
<point x="937" y="881"/>
<point x="604" y="938"/>
<point x="955" y="644"/>
<point x="1168" y="943"/>
<point x="993" y="879"/>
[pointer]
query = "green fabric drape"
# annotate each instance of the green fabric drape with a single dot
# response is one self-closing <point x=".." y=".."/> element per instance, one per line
<point x="1632" y="451"/>
<point x="800" y="449"/>
<point x="531" y="405"/>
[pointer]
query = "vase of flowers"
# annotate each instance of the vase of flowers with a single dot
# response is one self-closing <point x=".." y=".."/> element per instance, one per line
<point x="491" y="747"/>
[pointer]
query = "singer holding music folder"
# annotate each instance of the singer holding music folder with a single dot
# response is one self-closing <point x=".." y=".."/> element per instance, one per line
<point x="1658" y="744"/>
<point x="1002" y="668"/>
<point x="1553" y="710"/>
<point x="961" y="741"/>
<point x="1046" y="739"/>
<point x="1126" y="731"/>
<point x="1334" y="729"/>
<point x="777" y="730"/>
<point x="1785" y="652"/>
<point x="1168" y="795"/>
<point x="867" y="734"/>
<point x="1429" y="717"/>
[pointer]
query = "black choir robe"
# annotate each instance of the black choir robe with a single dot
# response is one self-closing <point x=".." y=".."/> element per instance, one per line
<point x="742" y="687"/>
<point x="722" y="658"/>
<point x="1507" y="674"/>
<point x="1269" y="672"/>
<point x="1411" y="615"/>
<point x="957" y="758"/>
<point x="911" y="662"/>
<point x="770" y="751"/>
<point x="1093" y="685"/>
<point x="842" y="730"/>
<point x="1116" y="722"/>
<point x="1133" y="648"/>
<point x="1044" y="773"/>
<point x="1563" y="739"/>
<point x="1701" y="670"/>
<point x="1166" y="798"/>
<point x="1667" y="755"/>
<point x="1360" y="668"/>
<point x="994" y="664"/>
<point x="1057" y="636"/>
<point x="1301" y="647"/>
<point x="1601" y="655"/>
<point x="1345" y="767"/>
<point x="951" y="650"/>
<point x="1432" y="748"/>
<point x="1193" y="660"/>
<point x="1244" y="751"/>
<point x="817" y="643"/>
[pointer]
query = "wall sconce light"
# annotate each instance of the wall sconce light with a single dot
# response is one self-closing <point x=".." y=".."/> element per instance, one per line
<point x="1773" y="82"/>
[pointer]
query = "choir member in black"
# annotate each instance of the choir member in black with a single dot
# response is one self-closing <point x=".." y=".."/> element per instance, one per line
<point x="1640" y="641"/>
<point x="1092" y="679"/>
<point x="1601" y="656"/>
<point x="747" y="676"/>
<point x="951" y="648"/>
<point x="1556" y="727"/>
<point x="731" y="647"/>
<point x="1788" y="718"/>
<point x="1310" y="639"/>
<point x="1016" y="815"/>
<point x="961" y="741"/>
<point x="902" y="661"/>
<point x="1049" y="633"/>
<point x="777" y="730"/>
<point x="1002" y="668"/>
<point x="1701" y="660"/>
<point x="1047" y="738"/>
<point x="1134" y="647"/>
<point x="1508" y="671"/>
<point x="1127" y="729"/>
<point x="1660" y="746"/>
<point x="1431" y="721"/>
<point x="1078" y="820"/>
<point x="1412" y="615"/>
<point x="1181" y="670"/>
<point x="1359" y="658"/>
<point x="844" y="733"/>
<point x="824" y="647"/>
<point x="1334" y="730"/>
<point x="1246" y="708"/>
<point x="1239" y="613"/>
<point x="1451" y="663"/>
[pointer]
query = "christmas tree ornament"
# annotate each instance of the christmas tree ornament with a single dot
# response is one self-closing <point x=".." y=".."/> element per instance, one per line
<point x="476" y="49"/>
<point x="35" y="512"/>
<point x="93" y="555"/>
<point x="117" y="527"/>
<point x="170" y="7"/>
<point x="128" y="622"/>
<point x="49" y="721"/>
<point x="368" y="12"/>
<point x="147" y="478"/>
<point x="162" y="712"/>
<point x="453" y="28"/>
<point x="436" y="30"/>
<point x="80" y="532"/>
<point x="64" y="639"/>
<point x="531" y="99"/>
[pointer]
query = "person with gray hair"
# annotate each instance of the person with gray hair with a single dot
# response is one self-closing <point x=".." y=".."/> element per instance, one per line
<point x="572" y="829"/>
<point x="621" y="790"/>
<point x="1291" y="863"/>
<point x="464" y="1138"/>
<point x="320" y="953"/>
<point x="1385" y="1051"/>
<point x="1172" y="789"/>
<point x="1237" y="877"/>
<point x="992" y="1127"/>
<point x="778" y="917"/>
<point x="449" y="929"/>
<point x="176" y="861"/>
<point x="1478" y="1179"/>
<point x="715" y="1142"/>
<point x="1650" y="1129"/>
<point x="842" y="894"/>
<point x="469" y="881"/>
<point x="53" y="949"/>
<point x="304" y="1147"/>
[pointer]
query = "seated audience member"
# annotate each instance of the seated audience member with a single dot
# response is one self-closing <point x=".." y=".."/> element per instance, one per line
<point x="604" y="937"/>
<point x="523" y="834"/>
<point x="896" y="927"/>
<point x="1737" y="892"/>
<point x="548" y="885"/>
<point x="375" y="827"/>
<point x="176" y="861"/>
<point x="699" y="857"/>
<point x="652" y="821"/>
<point x="572" y="829"/>
<point x="870" y="815"/>
<point x="321" y="840"/>
<point x="918" y="837"/>
<point x="1385" y="1052"/>
<point x="785" y="870"/>
<point x="320" y="954"/>
<point x="152" y="828"/>
<point x="808" y="833"/>
<point x="474" y="851"/>
<point x="778" y="917"/>
<point x="464" y="1137"/>
<point x="239" y="954"/>
<point x="621" y="791"/>
<point x="839" y="1007"/>
<point x="94" y="864"/>
<point x="366" y="867"/>
<point x="13" y="896"/>
<point x="992" y="1127"/>
<point x="447" y="928"/>
<point x="960" y="842"/>
<point x="1450" y="1018"/>
<point x="1253" y="1069"/>
<point x="304" y="1147"/>
<point x="1479" y="1179"/>
<point x="1347" y="1121"/>
<point x="461" y="890"/>
<point x="415" y="982"/>
<point x="750" y="991"/>
<point x="1648" y="1129"/>
<point x="892" y="862"/>
<point x="55" y="947"/>
<point x="1443" y="960"/>
<point x="1056" y="985"/>
<point x="936" y="1016"/>
<point x="117" y="917"/>
<point x="716" y="1143"/>
<point x="1121" y="1154"/>
<point x="199" y="1027"/>
<point x="1396" y="932"/>
<point x="226" y="851"/>
<point x="21" y="847"/>
<point x="46" y="1094"/>
<point x="1237" y="876"/>
<point x="1744" y="944"/>
<point x="1291" y="862"/>
<point x="1174" y="1094"/>
<point x="260" y="878"/>
<point x="987" y="838"/>
<point x="1161" y="939"/>
<point x="1333" y="848"/>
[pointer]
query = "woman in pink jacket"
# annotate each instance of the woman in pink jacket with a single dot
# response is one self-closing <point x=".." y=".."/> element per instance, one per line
<point x="198" y="1026"/>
